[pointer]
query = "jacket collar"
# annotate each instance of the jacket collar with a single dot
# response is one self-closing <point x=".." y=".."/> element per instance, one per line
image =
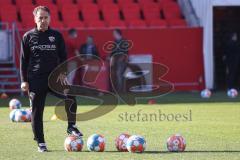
<point x="36" y="30"/>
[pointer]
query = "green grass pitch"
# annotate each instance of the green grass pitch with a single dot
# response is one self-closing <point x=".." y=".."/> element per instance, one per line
<point x="211" y="129"/>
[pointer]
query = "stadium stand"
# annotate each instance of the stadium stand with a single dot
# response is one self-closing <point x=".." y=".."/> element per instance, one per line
<point x="102" y="3"/>
<point x="44" y="2"/>
<point x="102" y="13"/>
<point x="96" y="24"/>
<point x="110" y="12"/>
<point x="70" y="12"/>
<point x="116" y="24"/>
<point x="20" y="3"/>
<point x="5" y="2"/>
<point x="26" y="15"/>
<point x="8" y="13"/>
<point x="151" y="11"/>
<point x="95" y="16"/>
<point x="157" y="23"/>
<point x="60" y="3"/>
<point x="137" y="23"/>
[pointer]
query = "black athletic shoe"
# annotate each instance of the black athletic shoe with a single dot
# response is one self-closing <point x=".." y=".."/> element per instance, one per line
<point x="42" y="147"/>
<point x="72" y="130"/>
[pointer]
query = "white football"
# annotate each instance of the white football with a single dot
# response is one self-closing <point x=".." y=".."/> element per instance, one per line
<point x="15" y="104"/>
<point x="206" y="93"/>
<point x="232" y="93"/>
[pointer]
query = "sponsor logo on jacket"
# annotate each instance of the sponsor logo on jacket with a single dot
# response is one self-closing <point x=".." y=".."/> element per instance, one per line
<point x="44" y="47"/>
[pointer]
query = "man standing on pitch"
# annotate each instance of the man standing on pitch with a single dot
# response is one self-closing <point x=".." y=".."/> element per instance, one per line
<point x="42" y="50"/>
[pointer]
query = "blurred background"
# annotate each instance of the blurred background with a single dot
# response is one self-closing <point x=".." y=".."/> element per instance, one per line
<point x="192" y="39"/>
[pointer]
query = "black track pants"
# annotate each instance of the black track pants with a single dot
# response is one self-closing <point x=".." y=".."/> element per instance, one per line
<point x="37" y="102"/>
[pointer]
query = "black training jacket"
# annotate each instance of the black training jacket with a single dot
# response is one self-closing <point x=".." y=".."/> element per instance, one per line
<point x="41" y="52"/>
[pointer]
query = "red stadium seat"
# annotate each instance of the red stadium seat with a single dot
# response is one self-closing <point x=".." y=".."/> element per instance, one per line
<point x="81" y="3"/>
<point x="96" y="24"/>
<point x="131" y="6"/>
<point x="150" y="5"/>
<point x="163" y="2"/>
<point x="74" y="24"/>
<point x="84" y="1"/>
<point x="171" y="5"/>
<point x="53" y="11"/>
<point x="137" y="24"/>
<point x="116" y="24"/>
<point x="122" y="3"/>
<point x="61" y="3"/>
<point x="26" y="12"/>
<point x="28" y="24"/>
<point x="177" y="23"/>
<point x="110" y="15"/>
<point x="147" y="2"/>
<point x="8" y="13"/>
<point x="8" y="7"/>
<point x="110" y="7"/>
<point x="90" y="12"/>
<point x="110" y="11"/>
<point x="26" y="8"/>
<point x="172" y="10"/>
<point x="70" y="12"/>
<point x="90" y="15"/>
<point x="89" y="6"/>
<point x="56" y="24"/>
<point x="44" y="2"/>
<point x="158" y="23"/>
<point x="151" y="11"/>
<point x="20" y="3"/>
<point x="131" y="11"/>
<point x="131" y="15"/>
<point x="101" y="3"/>
<point x="54" y="17"/>
<point x="5" y="2"/>
<point x="5" y="17"/>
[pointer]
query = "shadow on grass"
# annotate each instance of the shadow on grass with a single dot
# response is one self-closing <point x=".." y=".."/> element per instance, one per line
<point x="193" y="151"/>
<point x="160" y="152"/>
<point x="173" y="98"/>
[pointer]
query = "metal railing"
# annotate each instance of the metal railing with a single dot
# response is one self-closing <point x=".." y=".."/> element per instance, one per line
<point x="13" y="53"/>
<point x="16" y="41"/>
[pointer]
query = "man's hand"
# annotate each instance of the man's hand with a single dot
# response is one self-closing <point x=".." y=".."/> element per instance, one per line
<point x="24" y="86"/>
<point x="63" y="79"/>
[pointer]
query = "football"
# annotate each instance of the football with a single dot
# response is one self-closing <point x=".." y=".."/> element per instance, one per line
<point x="21" y="115"/>
<point x="96" y="143"/>
<point x="206" y="93"/>
<point x="12" y="115"/>
<point x="136" y="144"/>
<point x="176" y="143"/>
<point x="121" y="142"/>
<point x="15" y="104"/>
<point x="73" y="144"/>
<point x="232" y="93"/>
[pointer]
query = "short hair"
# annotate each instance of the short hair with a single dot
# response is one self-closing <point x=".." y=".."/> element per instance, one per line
<point x="118" y="31"/>
<point x="44" y="8"/>
<point x="72" y="31"/>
